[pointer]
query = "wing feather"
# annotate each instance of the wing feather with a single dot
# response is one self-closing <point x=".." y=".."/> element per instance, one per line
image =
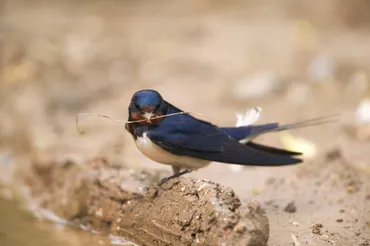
<point x="185" y="136"/>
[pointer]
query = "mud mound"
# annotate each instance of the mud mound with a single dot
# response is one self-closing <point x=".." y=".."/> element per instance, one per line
<point x="127" y="203"/>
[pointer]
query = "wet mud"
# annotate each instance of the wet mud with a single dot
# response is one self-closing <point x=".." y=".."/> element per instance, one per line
<point x="128" y="203"/>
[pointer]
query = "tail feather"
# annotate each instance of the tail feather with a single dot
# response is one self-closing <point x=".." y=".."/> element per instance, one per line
<point x="272" y="150"/>
<point x="245" y="134"/>
<point x="310" y="122"/>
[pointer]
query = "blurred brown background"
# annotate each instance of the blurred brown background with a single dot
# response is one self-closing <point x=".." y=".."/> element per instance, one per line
<point x="207" y="56"/>
<point x="295" y="59"/>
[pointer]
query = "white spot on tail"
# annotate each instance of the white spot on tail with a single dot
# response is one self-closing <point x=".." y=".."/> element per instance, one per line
<point x="246" y="119"/>
<point x="249" y="117"/>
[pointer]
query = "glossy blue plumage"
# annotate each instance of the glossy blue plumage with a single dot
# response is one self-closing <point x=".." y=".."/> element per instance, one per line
<point x="184" y="135"/>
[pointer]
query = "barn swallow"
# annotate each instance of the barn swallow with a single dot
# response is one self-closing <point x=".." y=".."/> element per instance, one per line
<point x="187" y="143"/>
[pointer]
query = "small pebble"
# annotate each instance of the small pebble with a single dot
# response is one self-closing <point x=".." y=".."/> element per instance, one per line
<point x="333" y="154"/>
<point x="366" y="243"/>
<point x="339" y="220"/>
<point x="290" y="208"/>
<point x="240" y="228"/>
<point x="316" y="229"/>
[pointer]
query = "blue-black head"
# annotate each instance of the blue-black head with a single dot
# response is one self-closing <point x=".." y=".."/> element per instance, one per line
<point x="146" y="104"/>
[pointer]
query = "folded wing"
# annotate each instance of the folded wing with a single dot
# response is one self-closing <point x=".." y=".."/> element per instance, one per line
<point x="203" y="141"/>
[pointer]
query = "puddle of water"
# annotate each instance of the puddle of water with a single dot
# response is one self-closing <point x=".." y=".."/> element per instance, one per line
<point x="19" y="228"/>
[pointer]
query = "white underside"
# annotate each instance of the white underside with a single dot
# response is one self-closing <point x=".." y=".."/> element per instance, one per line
<point x="156" y="153"/>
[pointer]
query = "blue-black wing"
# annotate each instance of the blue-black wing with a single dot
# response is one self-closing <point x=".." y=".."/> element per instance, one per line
<point x="185" y="136"/>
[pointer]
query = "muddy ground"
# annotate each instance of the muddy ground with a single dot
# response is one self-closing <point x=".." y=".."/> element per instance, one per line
<point x="128" y="203"/>
<point x="296" y="61"/>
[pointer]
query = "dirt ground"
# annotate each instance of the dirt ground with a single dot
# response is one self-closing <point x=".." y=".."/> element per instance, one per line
<point x="296" y="61"/>
<point x="128" y="203"/>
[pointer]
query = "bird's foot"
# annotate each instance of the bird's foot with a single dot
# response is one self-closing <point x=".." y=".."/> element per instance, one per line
<point x="176" y="175"/>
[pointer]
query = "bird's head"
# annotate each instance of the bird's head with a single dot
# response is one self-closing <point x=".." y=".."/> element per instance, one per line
<point x="145" y="105"/>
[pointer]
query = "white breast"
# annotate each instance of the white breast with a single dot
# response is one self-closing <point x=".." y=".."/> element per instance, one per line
<point x="156" y="153"/>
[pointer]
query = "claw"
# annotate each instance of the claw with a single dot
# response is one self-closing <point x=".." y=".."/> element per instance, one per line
<point x="176" y="175"/>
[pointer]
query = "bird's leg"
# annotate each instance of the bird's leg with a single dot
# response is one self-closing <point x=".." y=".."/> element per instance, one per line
<point x="176" y="173"/>
<point x="176" y="170"/>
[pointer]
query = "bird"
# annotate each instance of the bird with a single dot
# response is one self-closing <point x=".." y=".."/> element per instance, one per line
<point x="187" y="143"/>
